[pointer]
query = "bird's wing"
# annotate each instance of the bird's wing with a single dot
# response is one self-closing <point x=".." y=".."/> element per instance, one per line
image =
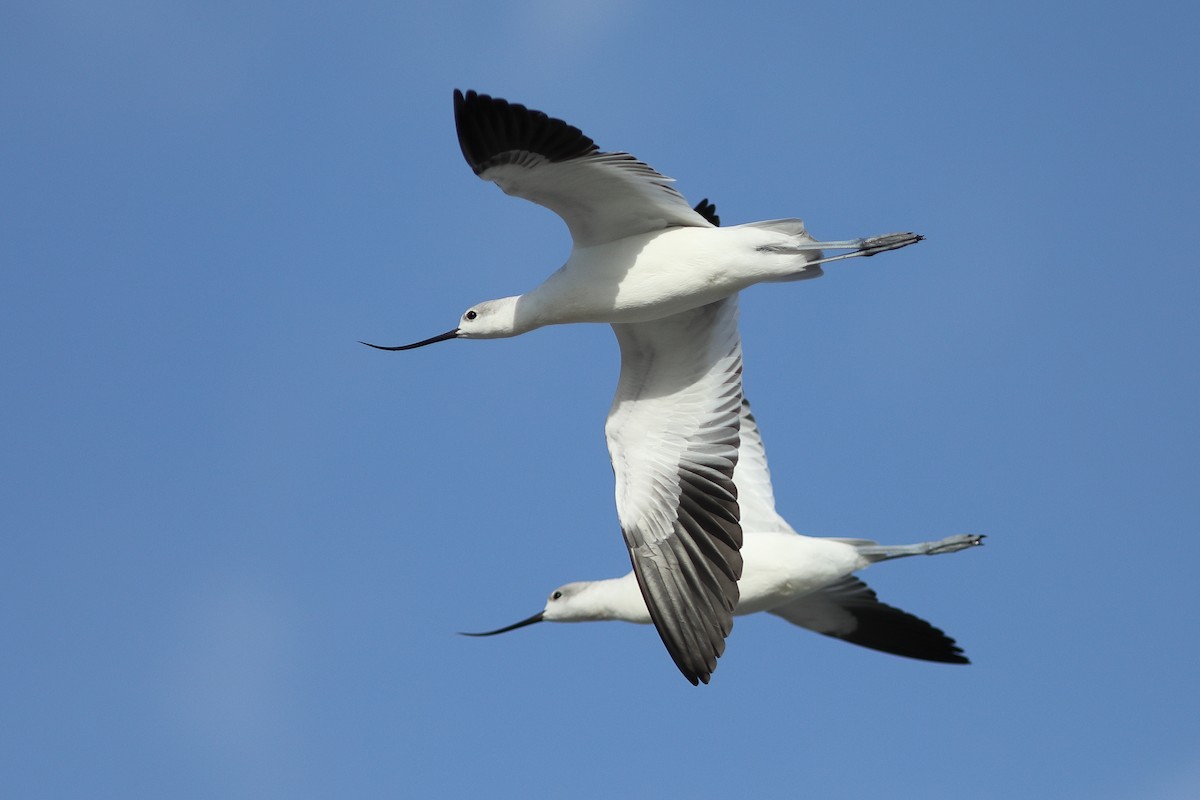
<point x="756" y="498"/>
<point x="850" y="611"/>
<point x="673" y="438"/>
<point x="601" y="196"/>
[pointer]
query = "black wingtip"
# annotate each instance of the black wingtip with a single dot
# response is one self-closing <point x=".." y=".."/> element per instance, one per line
<point x="890" y="630"/>
<point x="493" y="131"/>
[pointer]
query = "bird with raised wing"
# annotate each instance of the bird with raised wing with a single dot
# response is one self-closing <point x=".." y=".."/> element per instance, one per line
<point x="639" y="251"/>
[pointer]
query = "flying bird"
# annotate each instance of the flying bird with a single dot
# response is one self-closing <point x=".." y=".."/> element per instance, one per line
<point x="806" y="580"/>
<point x="665" y="276"/>
<point x="639" y="251"/>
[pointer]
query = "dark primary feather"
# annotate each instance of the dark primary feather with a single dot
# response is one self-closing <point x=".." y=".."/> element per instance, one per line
<point x="601" y="196"/>
<point x="690" y="579"/>
<point x="492" y="131"/>
<point x="850" y="611"/>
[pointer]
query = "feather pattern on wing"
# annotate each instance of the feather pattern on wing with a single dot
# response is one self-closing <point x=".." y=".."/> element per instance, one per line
<point x="850" y="611"/>
<point x="673" y="438"/>
<point x="756" y="497"/>
<point x="601" y="196"/>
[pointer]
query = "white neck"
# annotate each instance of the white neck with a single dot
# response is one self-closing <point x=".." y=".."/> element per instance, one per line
<point x="616" y="599"/>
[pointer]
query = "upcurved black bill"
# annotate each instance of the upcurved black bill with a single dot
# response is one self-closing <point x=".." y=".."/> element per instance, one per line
<point x="535" y="618"/>
<point x="441" y="337"/>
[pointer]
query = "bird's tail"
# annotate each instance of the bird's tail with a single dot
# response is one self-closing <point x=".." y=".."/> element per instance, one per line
<point x="794" y="241"/>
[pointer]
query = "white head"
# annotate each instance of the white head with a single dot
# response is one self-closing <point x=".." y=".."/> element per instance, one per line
<point x="491" y="319"/>
<point x="587" y="601"/>
<point x="573" y="602"/>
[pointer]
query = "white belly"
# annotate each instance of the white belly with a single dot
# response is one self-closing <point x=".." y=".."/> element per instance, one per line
<point x="781" y="567"/>
<point x="654" y="275"/>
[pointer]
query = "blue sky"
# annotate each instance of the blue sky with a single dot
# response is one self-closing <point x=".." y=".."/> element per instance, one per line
<point x="237" y="545"/>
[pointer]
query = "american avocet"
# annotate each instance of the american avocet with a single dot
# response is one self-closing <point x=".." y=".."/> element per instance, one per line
<point x="665" y="275"/>
<point x="805" y="580"/>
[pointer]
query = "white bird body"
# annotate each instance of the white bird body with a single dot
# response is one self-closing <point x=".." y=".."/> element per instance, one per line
<point x="777" y="568"/>
<point x="666" y="277"/>
<point x="652" y="275"/>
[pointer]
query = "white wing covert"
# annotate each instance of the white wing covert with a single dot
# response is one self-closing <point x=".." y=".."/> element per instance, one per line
<point x="756" y="498"/>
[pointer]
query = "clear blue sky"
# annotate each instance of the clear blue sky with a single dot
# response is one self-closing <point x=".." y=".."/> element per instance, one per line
<point x="237" y="545"/>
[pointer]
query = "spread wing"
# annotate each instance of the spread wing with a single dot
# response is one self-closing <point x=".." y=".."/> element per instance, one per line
<point x="601" y="196"/>
<point x="850" y="611"/>
<point x="673" y="438"/>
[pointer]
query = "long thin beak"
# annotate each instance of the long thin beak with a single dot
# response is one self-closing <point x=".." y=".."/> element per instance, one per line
<point x="441" y="337"/>
<point x="535" y="618"/>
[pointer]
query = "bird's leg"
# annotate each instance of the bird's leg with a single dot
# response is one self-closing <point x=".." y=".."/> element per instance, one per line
<point x="951" y="544"/>
<point x="860" y="247"/>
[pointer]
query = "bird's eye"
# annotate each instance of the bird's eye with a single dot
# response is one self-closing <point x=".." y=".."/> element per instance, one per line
<point x="556" y="595"/>
<point x="471" y="314"/>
